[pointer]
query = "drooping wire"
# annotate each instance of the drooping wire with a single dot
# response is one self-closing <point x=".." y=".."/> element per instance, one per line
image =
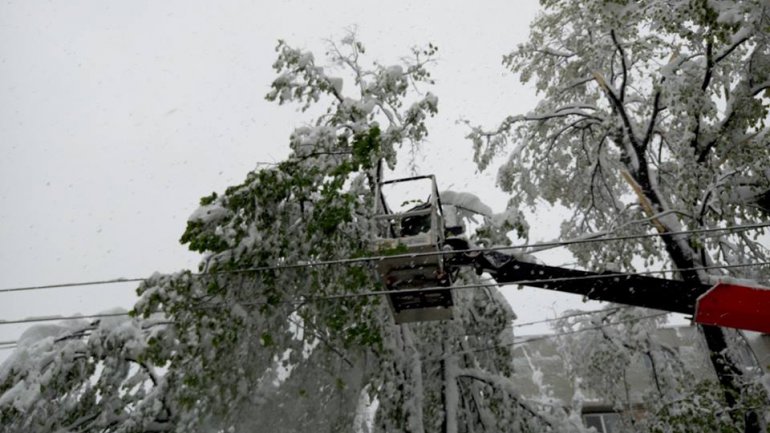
<point x="476" y="286"/>
<point x="356" y="260"/>
<point x="59" y="318"/>
<point x="514" y="325"/>
<point x="80" y="284"/>
<point x="569" y="316"/>
<point x="542" y="280"/>
<point x="14" y="343"/>
<point x="550" y="336"/>
<point x="590" y="328"/>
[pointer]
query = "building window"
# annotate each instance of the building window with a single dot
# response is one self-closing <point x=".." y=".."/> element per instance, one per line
<point x="603" y="422"/>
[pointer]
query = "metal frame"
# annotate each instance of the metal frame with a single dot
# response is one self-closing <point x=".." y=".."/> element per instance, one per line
<point x="414" y="272"/>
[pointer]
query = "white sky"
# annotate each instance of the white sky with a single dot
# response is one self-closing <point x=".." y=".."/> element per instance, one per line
<point x="117" y="116"/>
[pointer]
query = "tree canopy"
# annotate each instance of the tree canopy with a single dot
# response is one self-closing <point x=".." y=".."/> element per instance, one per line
<point x="254" y="339"/>
<point x="654" y="112"/>
<point x="653" y="116"/>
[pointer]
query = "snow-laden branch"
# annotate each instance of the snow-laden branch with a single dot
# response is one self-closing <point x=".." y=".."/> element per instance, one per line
<point x="555" y="52"/>
<point x="623" y="64"/>
<point x="506" y="386"/>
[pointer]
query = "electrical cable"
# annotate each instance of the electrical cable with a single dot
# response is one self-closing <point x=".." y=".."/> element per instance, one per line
<point x="81" y="284"/>
<point x="514" y="325"/>
<point x="95" y="316"/>
<point x="13" y="344"/>
<point x="399" y="291"/>
<point x="569" y="316"/>
<point x="402" y="256"/>
<point x="532" y="281"/>
<point x="590" y="328"/>
<point x="550" y="336"/>
<point x="55" y="318"/>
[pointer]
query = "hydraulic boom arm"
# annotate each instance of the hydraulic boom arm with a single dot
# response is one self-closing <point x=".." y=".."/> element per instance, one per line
<point x="725" y="304"/>
<point x="638" y="290"/>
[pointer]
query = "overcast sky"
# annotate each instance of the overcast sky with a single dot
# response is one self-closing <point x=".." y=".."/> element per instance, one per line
<point x="117" y="116"/>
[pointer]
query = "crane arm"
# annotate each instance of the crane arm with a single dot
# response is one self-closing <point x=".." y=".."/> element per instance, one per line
<point x="637" y="290"/>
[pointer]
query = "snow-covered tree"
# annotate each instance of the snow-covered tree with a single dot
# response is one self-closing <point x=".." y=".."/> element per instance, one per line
<point x="656" y="384"/>
<point x="653" y="117"/>
<point x="259" y="338"/>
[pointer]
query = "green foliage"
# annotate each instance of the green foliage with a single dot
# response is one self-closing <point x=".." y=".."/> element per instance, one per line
<point x="209" y="199"/>
<point x="651" y="120"/>
<point x="230" y="347"/>
<point x="313" y="206"/>
<point x="366" y="148"/>
<point x="662" y="91"/>
<point x="201" y="240"/>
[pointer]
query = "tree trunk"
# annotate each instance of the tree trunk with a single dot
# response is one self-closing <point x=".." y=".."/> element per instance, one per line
<point x="728" y="373"/>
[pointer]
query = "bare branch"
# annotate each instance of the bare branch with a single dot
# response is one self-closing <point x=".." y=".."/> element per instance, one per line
<point x="565" y="112"/>
<point x="495" y="382"/>
<point x="617" y="104"/>
<point x="623" y="63"/>
<point x="757" y="89"/>
<point x="727" y="51"/>
<point x="576" y="83"/>
<point x="709" y="65"/>
<point x="653" y="118"/>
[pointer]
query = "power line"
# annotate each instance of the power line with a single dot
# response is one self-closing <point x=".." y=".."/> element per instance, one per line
<point x="554" y="319"/>
<point x="590" y="328"/>
<point x="85" y="332"/>
<point x="402" y="256"/>
<point x="93" y="316"/>
<point x="399" y="291"/>
<point x="96" y="316"/>
<point x="80" y="284"/>
<point x="568" y="316"/>
<point x="59" y="318"/>
<point x="550" y="336"/>
<point x="14" y="343"/>
<point x="534" y="281"/>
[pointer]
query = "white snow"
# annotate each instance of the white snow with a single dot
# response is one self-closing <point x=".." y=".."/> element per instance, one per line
<point x="213" y="211"/>
<point x="465" y="201"/>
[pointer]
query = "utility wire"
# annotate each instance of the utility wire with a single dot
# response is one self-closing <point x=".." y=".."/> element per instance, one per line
<point x="55" y="318"/>
<point x="550" y="336"/>
<point x="569" y="316"/>
<point x="401" y="291"/>
<point x="81" y="284"/>
<point x="590" y="328"/>
<point x="85" y="332"/>
<point x="13" y="344"/>
<point x="404" y="256"/>
<point x="533" y="281"/>
<point x="514" y="325"/>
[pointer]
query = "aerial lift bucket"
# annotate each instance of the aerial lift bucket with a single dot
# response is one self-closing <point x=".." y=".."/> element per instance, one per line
<point x="404" y="238"/>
